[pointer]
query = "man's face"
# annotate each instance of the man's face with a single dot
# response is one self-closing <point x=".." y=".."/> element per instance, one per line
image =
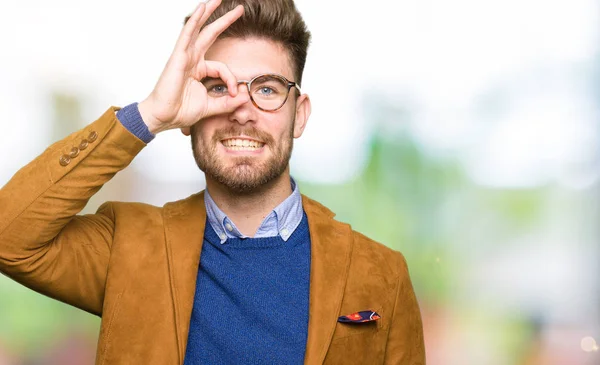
<point x="249" y="148"/>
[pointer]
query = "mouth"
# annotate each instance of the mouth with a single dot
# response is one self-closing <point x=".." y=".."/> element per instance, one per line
<point x="242" y="144"/>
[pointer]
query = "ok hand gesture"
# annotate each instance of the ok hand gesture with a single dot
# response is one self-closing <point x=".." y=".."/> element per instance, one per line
<point x="179" y="99"/>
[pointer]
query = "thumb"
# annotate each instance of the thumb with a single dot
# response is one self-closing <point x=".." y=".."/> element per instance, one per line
<point x="226" y="104"/>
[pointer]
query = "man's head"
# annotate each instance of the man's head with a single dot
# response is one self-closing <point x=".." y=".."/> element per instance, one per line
<point x="274" y="20"/>
<point x="249" y="148"/>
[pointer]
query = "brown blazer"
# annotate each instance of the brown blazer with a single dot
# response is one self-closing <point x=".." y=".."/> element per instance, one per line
<point x="135" y="265"/>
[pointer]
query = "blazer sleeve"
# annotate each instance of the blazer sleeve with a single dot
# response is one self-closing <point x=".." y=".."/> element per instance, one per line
<point x="405" y="344"/>
<point x="44" y="245"/>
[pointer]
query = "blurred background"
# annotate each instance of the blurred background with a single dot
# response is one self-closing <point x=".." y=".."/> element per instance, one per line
<point x="463" y="133"/>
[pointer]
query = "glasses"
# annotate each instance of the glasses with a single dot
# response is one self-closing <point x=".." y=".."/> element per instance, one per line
<point x="268" y="92"/>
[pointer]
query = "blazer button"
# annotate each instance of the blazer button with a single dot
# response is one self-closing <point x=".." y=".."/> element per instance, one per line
<point x="84" y="144"/>
<point x="64" y="160"/>
<point x="92" y="137"/>
<point x="74" y="152"/>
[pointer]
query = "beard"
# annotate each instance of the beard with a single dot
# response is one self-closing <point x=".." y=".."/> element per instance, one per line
<point x="245" y="175"/>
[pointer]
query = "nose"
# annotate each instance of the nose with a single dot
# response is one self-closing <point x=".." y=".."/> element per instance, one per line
<point x="246" y="112"/>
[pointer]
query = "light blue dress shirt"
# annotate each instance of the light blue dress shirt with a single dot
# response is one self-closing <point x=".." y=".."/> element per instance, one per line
<point x="282" y="221"/>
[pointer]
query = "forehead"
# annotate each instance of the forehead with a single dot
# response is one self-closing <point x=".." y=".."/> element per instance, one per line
<point x="248" y="57"/>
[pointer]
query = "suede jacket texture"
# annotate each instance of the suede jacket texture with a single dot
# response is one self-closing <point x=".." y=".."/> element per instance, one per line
<point x="135" y="265"/>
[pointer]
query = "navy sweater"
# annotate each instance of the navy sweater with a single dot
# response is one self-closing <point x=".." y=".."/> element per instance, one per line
<point x="251" y="302"/>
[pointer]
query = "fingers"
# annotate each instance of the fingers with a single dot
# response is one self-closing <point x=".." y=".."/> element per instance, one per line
<point x="226" y="104"/>
<point x="210" y="33"/>
<point x="220" y="70"/>
<point x="191" y="28"/>
<point x="211" y="6"/>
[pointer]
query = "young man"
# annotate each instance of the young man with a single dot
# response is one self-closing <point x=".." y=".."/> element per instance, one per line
<point x="248" y="271"/>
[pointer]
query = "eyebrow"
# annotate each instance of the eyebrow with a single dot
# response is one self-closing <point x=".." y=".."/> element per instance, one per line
<point x="271" y="77"/>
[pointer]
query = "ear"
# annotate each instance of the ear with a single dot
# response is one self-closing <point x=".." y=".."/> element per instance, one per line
<point x="303" y="109"/>
<point x="186" y="131"/>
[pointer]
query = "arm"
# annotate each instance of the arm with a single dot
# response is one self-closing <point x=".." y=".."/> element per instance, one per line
<point x="405" y="345"/>
<point x="43" y="244"/>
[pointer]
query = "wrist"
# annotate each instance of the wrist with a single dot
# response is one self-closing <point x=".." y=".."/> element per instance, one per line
<point x="153" y="124"/>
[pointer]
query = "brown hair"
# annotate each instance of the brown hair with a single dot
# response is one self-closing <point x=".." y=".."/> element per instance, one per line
<point x="276" y="20"/>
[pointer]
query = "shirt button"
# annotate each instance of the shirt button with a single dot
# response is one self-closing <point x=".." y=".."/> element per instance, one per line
<point x="229" y="227"/>
<point x="84" y="144"/>
<point x="222" y="236"/>
<point x="284" y="232"/>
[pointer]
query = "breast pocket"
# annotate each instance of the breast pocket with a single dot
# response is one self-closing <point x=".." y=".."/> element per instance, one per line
<point x="351" y="325"/>
<point x="344" y="330"/>
<point x="364" y="345"/>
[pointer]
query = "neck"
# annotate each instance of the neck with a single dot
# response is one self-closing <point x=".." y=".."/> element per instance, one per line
<point x="248" y="210"/>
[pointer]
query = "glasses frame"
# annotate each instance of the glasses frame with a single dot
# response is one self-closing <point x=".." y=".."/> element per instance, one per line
<point x="290" y="85"/>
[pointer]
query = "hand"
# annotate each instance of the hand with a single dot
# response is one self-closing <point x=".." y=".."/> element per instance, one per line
<point x="179" y="99"/>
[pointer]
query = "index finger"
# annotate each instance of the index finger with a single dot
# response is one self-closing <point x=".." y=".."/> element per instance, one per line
<point x="191" y="27"/>
<point x="209" y="34"/>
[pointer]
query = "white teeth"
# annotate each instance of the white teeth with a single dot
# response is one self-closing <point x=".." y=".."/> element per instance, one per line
<point x="242" y="144"/>
<point x="237" y="148"/>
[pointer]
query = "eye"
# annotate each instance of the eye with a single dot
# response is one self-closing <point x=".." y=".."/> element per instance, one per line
<point x="266" y="91"/>
<point x="218" y="89"/>
<point x="215" y="87"/>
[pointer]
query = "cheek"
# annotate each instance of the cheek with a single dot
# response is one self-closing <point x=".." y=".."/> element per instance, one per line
<point x="281" y="127"/>
<point x="281" y="136"/>
<point x="204" y="130"/>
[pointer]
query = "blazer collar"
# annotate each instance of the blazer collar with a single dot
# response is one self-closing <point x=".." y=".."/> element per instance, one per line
<point x="331" y="247"/>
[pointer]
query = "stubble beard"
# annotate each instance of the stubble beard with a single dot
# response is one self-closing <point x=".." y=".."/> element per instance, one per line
<point x="246" y="175"/>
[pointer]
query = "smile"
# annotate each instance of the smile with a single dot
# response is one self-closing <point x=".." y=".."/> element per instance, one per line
<point x="240" y="144"/>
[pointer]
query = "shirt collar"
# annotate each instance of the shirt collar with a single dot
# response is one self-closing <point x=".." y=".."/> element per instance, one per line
<point x="282" y="221"/>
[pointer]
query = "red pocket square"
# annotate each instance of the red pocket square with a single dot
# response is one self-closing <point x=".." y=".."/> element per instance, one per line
<point x="360" y="317"/>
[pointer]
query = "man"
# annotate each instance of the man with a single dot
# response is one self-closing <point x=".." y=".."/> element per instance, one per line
<point x="248" y="271"/>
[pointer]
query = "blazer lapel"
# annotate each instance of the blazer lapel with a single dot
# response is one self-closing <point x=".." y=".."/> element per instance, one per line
<point x="184" y="232"/>
<point x="331" y="247"/>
